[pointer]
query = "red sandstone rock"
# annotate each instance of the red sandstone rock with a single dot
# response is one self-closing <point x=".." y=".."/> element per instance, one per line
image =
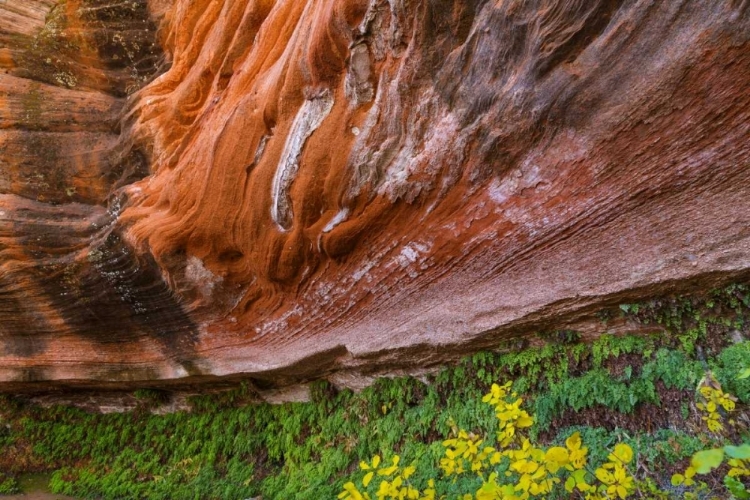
<point x="314" y="186"/>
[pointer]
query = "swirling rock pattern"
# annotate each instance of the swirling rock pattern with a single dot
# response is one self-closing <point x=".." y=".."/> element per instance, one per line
<point x="362" y="185"/>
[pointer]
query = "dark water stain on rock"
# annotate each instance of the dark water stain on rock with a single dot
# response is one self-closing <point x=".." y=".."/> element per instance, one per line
<point x="119" y="298"/>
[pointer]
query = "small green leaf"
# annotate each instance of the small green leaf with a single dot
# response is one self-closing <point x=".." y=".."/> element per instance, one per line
<point x="706" y="460"/>
<point x="579" y="476"/>
<point x="736" y="488"/>
<point x="744" y="374"/>
<point x="678" y="479"/>
<point x="742" y="452"/>
<point x="570" y="484"/>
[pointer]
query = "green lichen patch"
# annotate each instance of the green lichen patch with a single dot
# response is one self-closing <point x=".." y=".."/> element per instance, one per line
<point x="106" y="45"/>
<point x="32" y="105"/>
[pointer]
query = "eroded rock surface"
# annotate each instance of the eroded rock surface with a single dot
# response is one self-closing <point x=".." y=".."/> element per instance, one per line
<point x="347" y="184"/>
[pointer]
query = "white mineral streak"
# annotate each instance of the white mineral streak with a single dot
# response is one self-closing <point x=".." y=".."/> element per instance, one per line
<point x="202" y="278"/>
<point x="309" y="118"/>
<point x="337" y="219"/>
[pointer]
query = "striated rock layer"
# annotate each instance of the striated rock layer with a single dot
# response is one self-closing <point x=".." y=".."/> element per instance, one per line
<point x="359" y="185"/>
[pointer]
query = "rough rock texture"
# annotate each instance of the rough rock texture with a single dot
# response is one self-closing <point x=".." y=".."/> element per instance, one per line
<point x="313" y="186"/>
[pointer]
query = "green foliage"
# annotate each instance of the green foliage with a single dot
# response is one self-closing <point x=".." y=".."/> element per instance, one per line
<point x="715" y="404"/>
<point x="598" y="387"/>
<point x="689" y="318"/>
<point x="609" y="346"/>
<point x="508" y="468"/>
<point x="674" y="368"/>
<point x="726" y="367"/>
<point x="736" y="488"/>
<point x="229" y="448"/>
<point x="660" y="449"/>
<point x="705" y="461"/>
<point x="8" y="485"/>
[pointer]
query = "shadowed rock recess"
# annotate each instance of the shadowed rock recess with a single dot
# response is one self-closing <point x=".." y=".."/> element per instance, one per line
<point x="200" y="190"/>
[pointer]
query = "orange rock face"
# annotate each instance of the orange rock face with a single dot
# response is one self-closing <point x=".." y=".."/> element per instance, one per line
<point x="354" y="185"/>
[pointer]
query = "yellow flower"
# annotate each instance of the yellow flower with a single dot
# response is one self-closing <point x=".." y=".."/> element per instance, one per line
<point x="389" y="471"/>
<point x="576" y="452"/>
<point x="524" y="466"/>
<point x="618" y="481"/>
<point x="351" y="492"/>
<point x="687" y="479"/>
<point x="497" y="393"/>
<point x="713" y="422"/>
<point x="623" y="453"/>
<point x="739" y="468"/>
<point x="472" y="448"/>
<point x="555" y="458"/>
<point x="368" y="477"/>
<point x="623" y="483"/>
<point x="408" y="471"/>
<point x="429" y="493"/>
<point x="374" y="465"/>
<point x="448" y="466"/>
<point x="384" y="490"/>
<point x="604" y="476"/>
<point x="714" y="399"/>
<point x="594" y="496"/>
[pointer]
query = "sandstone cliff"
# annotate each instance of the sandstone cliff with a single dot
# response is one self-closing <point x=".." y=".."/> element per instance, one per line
<point x="280" y="189"/>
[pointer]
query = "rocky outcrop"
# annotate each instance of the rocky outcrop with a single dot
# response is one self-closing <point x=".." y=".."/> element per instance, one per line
<point x="310" y="187"/>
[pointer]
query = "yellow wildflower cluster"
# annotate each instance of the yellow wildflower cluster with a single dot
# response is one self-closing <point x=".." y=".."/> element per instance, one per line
<point x="532" y="471"/>
<point x="514" y="469"/>
<point x="465" y="452"/>
<point x="616" y="481"/>
<point x="738" y="457"/>
<point x="738" y="468"/>
<point x="714" y="399"/>
<point x="703" y="462"/>
<point x="394" y="483"/>
<point x="686" y="479"/>
<point x="509" y="414"/>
